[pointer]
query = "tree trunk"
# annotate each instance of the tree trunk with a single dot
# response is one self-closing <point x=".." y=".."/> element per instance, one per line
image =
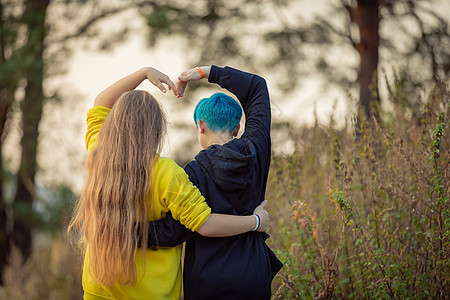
<point x="5" y="234"/>
<point x="32" y="112"/>
<point x="6" y="98"/>
<point x="5" y="237"/>
<point x="366" y="16"/>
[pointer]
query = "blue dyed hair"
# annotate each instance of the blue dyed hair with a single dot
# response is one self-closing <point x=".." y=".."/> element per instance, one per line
<point x="220" y="112"/>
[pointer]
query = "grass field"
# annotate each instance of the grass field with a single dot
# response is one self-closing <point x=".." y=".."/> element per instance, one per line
<point x="356" y="212"/>
<point x="363" y="211"/>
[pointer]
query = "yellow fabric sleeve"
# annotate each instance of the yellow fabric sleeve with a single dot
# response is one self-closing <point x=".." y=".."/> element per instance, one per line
<point x="180" y="196"/>
<point x="94" y="121"/>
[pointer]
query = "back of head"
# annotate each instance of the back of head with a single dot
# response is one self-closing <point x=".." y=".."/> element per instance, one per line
<point x="220" y="112"/>
<point x="138" y="120"/>
<point x="117" y="187"/>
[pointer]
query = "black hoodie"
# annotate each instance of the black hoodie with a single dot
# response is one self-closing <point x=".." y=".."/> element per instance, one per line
<point x="239" y="267"/>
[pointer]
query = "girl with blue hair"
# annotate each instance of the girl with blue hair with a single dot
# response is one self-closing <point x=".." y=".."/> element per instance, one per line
<point x="232" y="174"/>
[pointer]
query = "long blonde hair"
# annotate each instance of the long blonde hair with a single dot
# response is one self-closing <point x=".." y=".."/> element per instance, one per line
<point x="111" y="215"/>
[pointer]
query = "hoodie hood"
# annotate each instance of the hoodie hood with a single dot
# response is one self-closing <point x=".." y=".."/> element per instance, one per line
<point x="231" y="166"/>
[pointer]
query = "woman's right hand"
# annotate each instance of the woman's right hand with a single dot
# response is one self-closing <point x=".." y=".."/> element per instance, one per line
<point x="263" y="215"/>
<point x="157" y="78"/>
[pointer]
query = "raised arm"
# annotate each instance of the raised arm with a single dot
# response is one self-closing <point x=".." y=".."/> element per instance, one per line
<point x="251" y="91"/>
<point x="111" y="94"/>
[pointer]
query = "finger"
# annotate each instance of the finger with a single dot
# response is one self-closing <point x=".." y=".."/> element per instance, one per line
<point x="183" y="78"/>
<point x="174" y="91"/>
<point x="181" y="92"/>
<point x="264" y="203"/>
<point x="181" y="86"/>
<point x="170" y="83"/>
<point x="186" y="76"/>
<point x="159" y="85"/>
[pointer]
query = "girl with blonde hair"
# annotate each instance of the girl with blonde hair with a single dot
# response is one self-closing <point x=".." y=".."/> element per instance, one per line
<point x="129" y="184"/>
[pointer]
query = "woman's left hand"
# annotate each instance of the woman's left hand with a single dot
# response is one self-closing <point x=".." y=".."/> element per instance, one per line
<point x="191" y="75"/>
<point x="157" y="78"/>
<point x="263" y="216"/>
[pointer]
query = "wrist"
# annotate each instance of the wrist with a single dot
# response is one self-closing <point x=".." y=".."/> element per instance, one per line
<point x="205" y="70"/>
<point x="199" y="70"/>
<point x="258" y="222"/>
<point x="146" y="71"/>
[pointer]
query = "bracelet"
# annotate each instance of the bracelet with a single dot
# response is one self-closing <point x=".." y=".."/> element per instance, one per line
<point x="258" y="222"/>
<point x="200" y="71"/>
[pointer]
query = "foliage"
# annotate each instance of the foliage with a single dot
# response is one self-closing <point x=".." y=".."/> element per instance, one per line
<point x="356" y="212"/>
<point x="370" y="209"/>
<point x="33" y="47"/>
<point x="53" y="209"/>
<point x="52" y="272"/>
<point x="290" y="43"/>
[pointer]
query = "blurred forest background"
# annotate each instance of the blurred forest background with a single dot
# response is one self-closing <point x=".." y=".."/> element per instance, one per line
<point x="359" y="200"/>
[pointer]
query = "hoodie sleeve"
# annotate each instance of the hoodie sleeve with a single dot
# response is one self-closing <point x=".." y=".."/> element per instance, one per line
<point x="252" y="92"/>
<point x="94" y="120"/>
<point x="176" y="193"/>
<point x="168" y="232"/>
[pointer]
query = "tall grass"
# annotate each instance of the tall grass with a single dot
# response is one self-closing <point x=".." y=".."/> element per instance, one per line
<point x="356" y="212"/>
<point x="52" y="272"/>
<point x="369" y="206"/>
